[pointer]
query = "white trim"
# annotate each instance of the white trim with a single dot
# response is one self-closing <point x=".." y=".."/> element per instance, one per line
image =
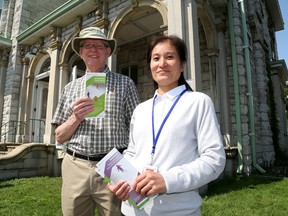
<point x="43" y="75"/>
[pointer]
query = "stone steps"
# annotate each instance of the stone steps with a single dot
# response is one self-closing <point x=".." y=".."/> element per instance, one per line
<point x="7" y="147"/>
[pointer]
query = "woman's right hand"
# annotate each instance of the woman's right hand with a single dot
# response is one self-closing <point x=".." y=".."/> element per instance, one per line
<point x="121" y="190"/>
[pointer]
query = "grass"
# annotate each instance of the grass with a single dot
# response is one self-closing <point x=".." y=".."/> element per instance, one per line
<point x="39" y="196"/>
<point x="251" y="196"/>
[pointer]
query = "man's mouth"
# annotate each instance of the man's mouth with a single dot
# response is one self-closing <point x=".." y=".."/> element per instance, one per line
<point x="93" y="56"/>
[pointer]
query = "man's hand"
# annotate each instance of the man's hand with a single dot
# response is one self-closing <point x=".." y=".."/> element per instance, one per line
<point x="82" y="107"/>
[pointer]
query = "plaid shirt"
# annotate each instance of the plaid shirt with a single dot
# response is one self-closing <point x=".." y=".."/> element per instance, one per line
<point x="100" y="135"/>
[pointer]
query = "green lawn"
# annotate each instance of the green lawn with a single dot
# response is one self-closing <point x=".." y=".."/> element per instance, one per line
<point x="31" y="196"/>
<point x="249" y="196"/>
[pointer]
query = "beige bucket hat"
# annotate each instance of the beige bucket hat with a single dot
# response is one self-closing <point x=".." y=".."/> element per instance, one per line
<point x="92" y="33"/>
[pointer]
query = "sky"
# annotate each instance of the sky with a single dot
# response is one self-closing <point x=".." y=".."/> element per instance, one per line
<point x="282" y="36"/>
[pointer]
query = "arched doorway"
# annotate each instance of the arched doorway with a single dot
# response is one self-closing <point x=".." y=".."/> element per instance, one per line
<point x="39" y="103"/>
<point x="133" y="32"/>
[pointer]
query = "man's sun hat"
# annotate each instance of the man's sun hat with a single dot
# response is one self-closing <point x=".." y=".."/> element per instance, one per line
<point x="92" y="33"/>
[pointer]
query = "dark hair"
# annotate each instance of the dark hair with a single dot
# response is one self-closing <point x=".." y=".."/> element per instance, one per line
<point x="181" y="49"/>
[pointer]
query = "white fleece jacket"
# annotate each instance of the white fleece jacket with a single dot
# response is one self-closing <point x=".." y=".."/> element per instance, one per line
<point x="189" y="152"/>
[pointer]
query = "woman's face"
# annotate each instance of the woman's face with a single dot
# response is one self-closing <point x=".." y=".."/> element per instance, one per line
<point x="165" y="66"/>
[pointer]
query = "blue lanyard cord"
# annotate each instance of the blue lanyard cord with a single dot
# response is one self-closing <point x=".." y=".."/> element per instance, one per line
<point x="155" y="139"/>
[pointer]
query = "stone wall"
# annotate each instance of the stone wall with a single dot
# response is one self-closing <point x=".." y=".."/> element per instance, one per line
<point x="18" y="16"/>
<point x="30" y="160"/>
<point x="34" y="10"/>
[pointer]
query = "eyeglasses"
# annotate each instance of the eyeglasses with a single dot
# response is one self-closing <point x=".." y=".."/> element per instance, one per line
<point x="94" y="46"/>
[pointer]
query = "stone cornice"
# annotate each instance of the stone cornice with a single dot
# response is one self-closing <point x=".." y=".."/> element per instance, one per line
<point x="275" y="13"/>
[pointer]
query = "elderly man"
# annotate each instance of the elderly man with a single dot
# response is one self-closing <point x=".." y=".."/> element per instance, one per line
<point x="89" y="139"/>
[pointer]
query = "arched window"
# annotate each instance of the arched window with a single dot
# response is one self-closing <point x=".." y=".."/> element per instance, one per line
<point x="44" y="72"/>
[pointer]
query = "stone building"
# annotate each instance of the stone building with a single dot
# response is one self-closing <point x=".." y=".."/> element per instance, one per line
<point x="232" y="57"/>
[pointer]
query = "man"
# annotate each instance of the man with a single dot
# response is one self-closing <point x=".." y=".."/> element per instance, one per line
<point x="89" y="139"/>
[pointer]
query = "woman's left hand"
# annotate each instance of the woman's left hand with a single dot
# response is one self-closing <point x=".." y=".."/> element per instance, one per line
<point x="149" y="183"/>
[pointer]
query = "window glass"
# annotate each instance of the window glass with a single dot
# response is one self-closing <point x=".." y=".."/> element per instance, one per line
<point x="1" y="7"/>
<point x="131" y="71"/>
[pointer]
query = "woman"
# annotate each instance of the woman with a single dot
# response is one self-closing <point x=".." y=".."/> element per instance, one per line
<point x="176" y="134"/>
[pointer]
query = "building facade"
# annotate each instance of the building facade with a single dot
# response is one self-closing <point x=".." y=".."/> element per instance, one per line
<point x="232" y="57"/>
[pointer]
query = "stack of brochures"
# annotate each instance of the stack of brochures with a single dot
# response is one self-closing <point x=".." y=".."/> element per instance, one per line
<point x="114" y="168"/>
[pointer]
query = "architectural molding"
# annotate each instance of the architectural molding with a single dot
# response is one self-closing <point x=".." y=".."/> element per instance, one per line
<point x="158" y="5"/>
<point x="55" y="38"/>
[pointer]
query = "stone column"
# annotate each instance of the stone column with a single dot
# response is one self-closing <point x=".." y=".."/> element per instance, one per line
<point x="112" y="62"/>
<point x="222" y="98"/>
<point x="23" y="98"/>
<point x="53" y="88"/>
<point x="63" y="77"/>
<point x="183" y="21"/>
<point x="29" y="79"/>
<point x="3" y="71"/>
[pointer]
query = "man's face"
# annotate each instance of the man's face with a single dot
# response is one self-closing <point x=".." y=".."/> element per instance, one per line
<point x="94" y="54"/>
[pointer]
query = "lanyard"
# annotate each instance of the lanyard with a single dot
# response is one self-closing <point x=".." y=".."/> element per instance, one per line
<point x="155" y="139"/>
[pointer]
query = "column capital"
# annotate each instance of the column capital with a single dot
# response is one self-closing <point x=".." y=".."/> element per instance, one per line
<point x="25" y="60"/>
<point x="63" y="66"/>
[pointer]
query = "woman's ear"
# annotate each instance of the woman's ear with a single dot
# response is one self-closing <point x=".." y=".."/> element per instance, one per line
<point x="183" y="66"/>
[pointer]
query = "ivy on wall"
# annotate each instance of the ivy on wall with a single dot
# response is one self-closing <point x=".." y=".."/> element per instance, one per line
<point x="286" y="97"/>
<point x="274" y="123"/>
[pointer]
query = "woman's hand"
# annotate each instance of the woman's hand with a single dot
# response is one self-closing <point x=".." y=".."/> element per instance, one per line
<point x="149" y="183"/>
<point x="121" y="190"/>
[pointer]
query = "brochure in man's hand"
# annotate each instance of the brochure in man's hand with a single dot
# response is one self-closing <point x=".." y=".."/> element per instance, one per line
<point x="114" y="167"/>
<point x="96" y="89"/>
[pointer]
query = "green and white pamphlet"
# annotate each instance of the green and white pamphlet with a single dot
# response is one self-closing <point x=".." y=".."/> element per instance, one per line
<point x="96" y="90"/>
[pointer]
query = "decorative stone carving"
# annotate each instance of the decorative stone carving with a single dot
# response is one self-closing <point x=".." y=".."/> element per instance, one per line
<point x="100" y="20"/>
<point x="99" y="10"/>
<point x="55" y="38"/>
